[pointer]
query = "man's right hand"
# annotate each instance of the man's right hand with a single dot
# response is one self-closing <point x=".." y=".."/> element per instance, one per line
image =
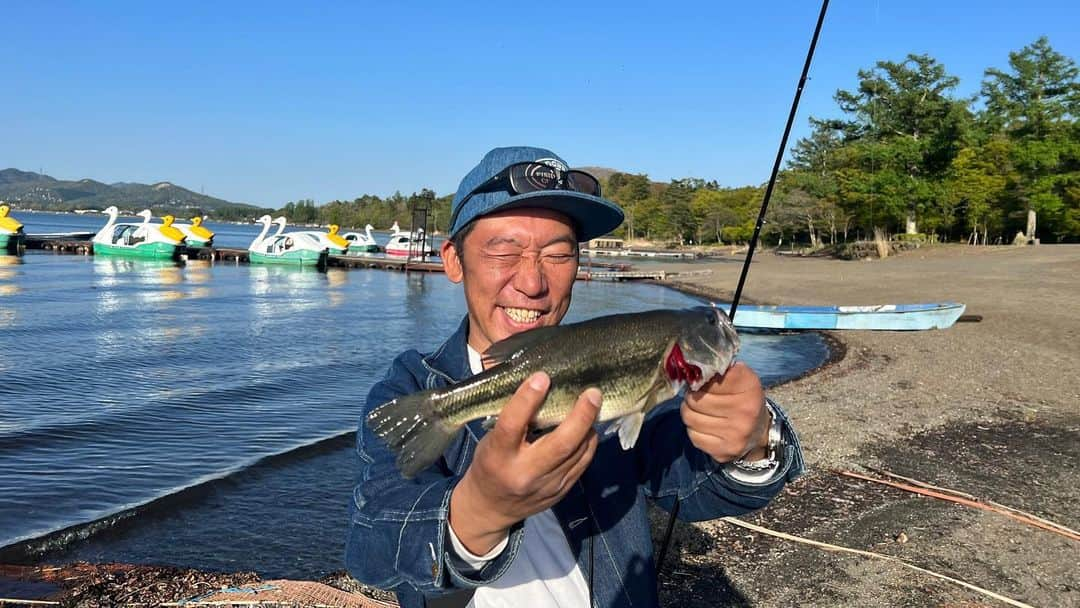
<point x="510" y="478"/>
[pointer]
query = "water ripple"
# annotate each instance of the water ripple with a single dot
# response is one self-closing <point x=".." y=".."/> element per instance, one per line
<point x="125" y="382"/>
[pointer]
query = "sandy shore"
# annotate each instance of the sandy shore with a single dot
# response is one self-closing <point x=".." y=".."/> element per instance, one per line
<point x="990" y="408"/>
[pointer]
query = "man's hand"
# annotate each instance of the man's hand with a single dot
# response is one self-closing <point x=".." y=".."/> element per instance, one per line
<point x="509" y="478"/>
<point x="727" y="418"/>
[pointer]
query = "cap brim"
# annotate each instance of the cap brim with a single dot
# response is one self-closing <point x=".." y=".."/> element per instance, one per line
<point x="593" y="216"/>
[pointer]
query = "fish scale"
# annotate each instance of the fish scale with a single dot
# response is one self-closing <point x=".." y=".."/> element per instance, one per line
<point x="623" y="355"/>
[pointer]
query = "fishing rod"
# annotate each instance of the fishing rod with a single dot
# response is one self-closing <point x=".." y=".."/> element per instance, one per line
<point x="757" y="233"/>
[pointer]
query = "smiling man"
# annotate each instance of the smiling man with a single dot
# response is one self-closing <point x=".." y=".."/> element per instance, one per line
<point x="502" y="519"/>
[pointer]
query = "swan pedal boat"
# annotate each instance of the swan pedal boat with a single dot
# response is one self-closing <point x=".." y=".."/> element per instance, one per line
<point x="333" y="242"/>
<point x="362" y="242"/>
<point x="400" y="242"/>
<point x="196" y="235"/>
<point x="150" y="241"/>
<point x="11" y="231"/>
<point x="289" y="248"/>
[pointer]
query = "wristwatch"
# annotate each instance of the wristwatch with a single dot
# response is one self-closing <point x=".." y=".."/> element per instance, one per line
<point x="776" y="441"/>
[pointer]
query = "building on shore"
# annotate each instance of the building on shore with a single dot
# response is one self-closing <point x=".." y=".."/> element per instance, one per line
<point x="605" y="243"/>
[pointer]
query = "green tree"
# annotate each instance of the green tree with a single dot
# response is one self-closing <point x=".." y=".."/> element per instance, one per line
<point x="629" y="190"/>
<point x="1037" y="94"/>
<point x="1035" y="103"/>
<point x="977" y="185"/>
<point x="910" y="128"/>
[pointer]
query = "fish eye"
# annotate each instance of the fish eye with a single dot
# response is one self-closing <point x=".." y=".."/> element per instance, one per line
<point x="711" y="317"/>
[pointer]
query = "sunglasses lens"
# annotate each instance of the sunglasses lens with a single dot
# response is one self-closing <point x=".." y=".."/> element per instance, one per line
<point x="583" y="182"/>
<point x="532" y="177"/>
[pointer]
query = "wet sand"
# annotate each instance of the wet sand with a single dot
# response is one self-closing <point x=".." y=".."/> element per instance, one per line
<point x="990" y="408"/>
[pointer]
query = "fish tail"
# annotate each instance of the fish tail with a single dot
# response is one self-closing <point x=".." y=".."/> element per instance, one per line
<point x="413" y="429"/>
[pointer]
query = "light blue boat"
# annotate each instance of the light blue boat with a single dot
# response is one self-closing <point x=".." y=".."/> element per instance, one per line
<point x="896" y="317"/>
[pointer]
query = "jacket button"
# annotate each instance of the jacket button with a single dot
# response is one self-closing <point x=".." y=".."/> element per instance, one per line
<point x="434" y="570"/>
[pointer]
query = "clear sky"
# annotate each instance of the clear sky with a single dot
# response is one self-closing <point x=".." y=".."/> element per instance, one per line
<point x="269" y="102"/>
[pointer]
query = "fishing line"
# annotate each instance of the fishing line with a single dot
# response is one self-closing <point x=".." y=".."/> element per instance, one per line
<point x="757" y="233"/>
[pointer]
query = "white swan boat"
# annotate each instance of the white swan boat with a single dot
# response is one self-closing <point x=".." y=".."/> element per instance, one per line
<point x="404" y="244"/>
<point x="331" y="240"/>
<point x="294" y="248"/>
<point x="145" y="240"/>
<point x="362" y="242"/>
<point x="196" y="235"/>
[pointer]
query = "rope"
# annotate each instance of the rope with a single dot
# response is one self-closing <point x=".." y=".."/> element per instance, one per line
<point x="888" y="558"/>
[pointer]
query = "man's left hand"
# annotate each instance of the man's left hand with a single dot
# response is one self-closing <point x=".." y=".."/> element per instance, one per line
<point x="727" y="419"/>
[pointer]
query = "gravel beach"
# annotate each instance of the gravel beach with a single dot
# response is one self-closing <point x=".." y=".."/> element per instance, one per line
<point x="989" y="408"/>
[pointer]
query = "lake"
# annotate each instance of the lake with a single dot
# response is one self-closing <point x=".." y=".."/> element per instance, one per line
<point x="222" y="396"/>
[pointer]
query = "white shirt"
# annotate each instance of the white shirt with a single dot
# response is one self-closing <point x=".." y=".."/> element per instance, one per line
<point x="544" y="572"/>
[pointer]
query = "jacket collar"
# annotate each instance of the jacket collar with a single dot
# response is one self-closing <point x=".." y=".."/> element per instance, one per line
<point x="451" y="360"/>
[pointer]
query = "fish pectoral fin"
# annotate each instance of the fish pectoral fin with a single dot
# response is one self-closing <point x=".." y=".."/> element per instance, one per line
<point x="489" y="423"/>
<point x="508" y="348"/>
<point x="628" y="427"/>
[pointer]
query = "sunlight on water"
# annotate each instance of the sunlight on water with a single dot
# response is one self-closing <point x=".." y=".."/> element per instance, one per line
<point x="125" y="381"/>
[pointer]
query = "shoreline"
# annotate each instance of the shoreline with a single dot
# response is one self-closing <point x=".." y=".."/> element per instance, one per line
<point x="837" y="347"/>
<point x="988" y="408"/>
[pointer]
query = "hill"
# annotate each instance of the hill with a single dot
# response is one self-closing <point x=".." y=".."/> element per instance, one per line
<point x="39" y="191"/>
<point x="599" y="172"/>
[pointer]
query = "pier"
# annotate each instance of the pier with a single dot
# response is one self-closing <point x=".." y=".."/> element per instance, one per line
<point x="639" y="275"/>
<point x="228" y="254"/>
<point x="59" y="243"/>
<point x="641" y="253"/>
<point x="589" y="270"/>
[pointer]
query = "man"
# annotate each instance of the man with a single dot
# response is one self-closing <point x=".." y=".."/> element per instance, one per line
<point x="502" y="520"/>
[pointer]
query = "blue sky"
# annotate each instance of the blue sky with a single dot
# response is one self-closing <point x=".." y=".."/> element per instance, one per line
<point x="270" y="102"/>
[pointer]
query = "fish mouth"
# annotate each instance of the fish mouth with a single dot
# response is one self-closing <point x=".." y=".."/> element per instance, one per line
<point x="694" y="373"/>
<point x="526" y="318"/>
<point x="679" y="369"/>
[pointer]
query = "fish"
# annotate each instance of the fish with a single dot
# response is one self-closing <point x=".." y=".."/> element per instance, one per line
<point x="637" y="360"/>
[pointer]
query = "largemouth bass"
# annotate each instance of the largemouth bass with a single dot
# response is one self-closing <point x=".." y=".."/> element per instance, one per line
<point x="637" y="361"/>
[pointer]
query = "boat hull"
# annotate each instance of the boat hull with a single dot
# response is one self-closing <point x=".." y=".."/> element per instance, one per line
<point x="11" y="242"/>
<point x="889" y="317"/>
<point x="148" y="251"/>
<point x="416" y="253"/>
<point x="364" y="249"/>
<point x="301" y="257"/>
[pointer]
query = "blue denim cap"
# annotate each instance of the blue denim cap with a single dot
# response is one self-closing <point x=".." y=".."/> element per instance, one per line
<point x="592" y="216"/>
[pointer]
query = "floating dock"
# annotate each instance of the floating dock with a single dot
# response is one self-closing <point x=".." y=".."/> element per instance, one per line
<point x="59" y="243"/>
<point x="641" y="253"/>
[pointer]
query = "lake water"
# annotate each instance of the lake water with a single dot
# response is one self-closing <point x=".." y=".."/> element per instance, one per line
<point x="222" y="396"/>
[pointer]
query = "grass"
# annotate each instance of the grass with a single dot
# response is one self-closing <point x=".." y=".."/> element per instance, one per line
<point x="881" y="243"/>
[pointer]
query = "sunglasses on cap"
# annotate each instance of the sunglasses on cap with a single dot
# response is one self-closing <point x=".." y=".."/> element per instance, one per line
<point x="526" y="177"/>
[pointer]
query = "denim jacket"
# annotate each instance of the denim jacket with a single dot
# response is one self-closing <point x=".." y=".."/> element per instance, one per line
<point x="397" y="538"/>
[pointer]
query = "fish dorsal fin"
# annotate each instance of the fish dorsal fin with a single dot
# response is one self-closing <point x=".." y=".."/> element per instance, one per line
<point x="509" y="348"/>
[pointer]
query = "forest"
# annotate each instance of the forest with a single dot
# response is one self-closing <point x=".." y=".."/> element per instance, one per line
<point x="904" y="154"/>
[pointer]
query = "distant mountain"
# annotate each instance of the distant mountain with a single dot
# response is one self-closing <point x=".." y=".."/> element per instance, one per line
<point x="599" y="172"/>
<point x="39" y="191"/>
